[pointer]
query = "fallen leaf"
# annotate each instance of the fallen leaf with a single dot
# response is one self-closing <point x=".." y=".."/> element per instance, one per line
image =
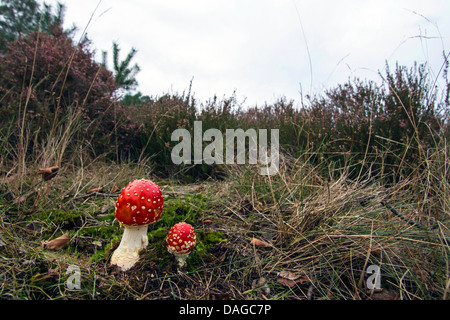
<point x="114" y="189"/>
<point x="382" y="294"/>
<point x="58" y="243"/>
<point x="259" y="243"/>
<point x="288" y="275"/>
<point x="290" y="279"/>
<point x="208" y="221"/>
<point x="48" y="170"/>
<point x="95" y="190"/>
<point x="48" y="173"/>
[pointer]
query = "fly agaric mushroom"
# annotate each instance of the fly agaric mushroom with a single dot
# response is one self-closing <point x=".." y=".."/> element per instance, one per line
<point x="139" y="204"/>
<point x="181" y="241"/>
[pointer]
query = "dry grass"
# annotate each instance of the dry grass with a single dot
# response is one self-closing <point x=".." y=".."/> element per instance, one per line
<point x="331" y="231"/>
<point x="322" y="229"/>
<point x="325" y="231"/>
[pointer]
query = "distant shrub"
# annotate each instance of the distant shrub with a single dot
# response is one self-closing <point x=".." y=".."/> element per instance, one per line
<point x="158" y="118"/>
<point x="362" y="125"/>
<point x="44" y="74"/>
<point x="388" y="126"/>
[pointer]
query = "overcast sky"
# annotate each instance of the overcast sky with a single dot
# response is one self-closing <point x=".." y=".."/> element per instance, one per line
<point x="264" y="49"/>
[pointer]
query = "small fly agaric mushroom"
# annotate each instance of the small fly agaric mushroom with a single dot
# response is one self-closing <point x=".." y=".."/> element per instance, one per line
<point x="181" y="241"/>
<point x="139" y="204"/>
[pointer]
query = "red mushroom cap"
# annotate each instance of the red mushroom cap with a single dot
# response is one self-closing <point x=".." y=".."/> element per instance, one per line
<point x="181" y="238"/>
<point x="139" y="203"/>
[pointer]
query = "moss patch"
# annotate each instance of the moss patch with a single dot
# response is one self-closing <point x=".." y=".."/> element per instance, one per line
<point x="63" y="219"/>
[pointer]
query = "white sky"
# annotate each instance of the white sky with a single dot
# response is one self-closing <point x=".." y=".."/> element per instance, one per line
<point x="258" y="47"/>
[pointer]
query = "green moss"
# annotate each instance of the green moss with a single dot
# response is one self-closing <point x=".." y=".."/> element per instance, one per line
<point x="201" y="252"/>
<point x="211" y="238"/>
<point x="100" y="232"/>
<point x="61" y="218"/>
<point x="109" y="217"/>
<point x="158" y="234"/>
<point x="177" y="210"/>
<point x="186" y="209"/>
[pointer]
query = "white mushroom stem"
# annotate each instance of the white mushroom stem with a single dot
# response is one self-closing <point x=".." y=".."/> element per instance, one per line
<point x="134" y="239"/>
<point x="181" y="258"/>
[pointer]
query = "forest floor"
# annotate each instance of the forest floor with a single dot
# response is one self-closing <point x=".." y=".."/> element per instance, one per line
<point x="290" y="236"/>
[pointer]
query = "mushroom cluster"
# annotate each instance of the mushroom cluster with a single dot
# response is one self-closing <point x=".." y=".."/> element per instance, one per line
<point x="139" y="204"/>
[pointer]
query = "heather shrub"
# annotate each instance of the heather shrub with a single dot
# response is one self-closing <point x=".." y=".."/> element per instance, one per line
<point x="362" y="126"/>
<point x="290" y="121"/>
<point x="383" y="128"/>
<point x="228" y="114"/>
<point x="121" y="136"/>
<point x="340" y="122"/>
<point x="410" y="116"/>
<point x="43" y="75"/>
<point x="220" y="114"/>
<point x="158" y="118"/>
